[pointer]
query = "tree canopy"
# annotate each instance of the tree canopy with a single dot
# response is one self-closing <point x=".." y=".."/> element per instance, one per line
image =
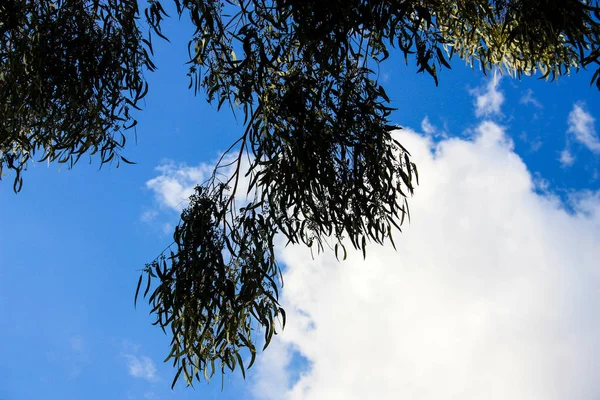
<point x="324" y="169"/>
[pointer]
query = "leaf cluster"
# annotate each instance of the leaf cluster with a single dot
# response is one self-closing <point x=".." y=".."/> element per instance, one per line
<point x="214" y="287"/>
<point x="522" y="37"/>
<point x="70" y="74"/>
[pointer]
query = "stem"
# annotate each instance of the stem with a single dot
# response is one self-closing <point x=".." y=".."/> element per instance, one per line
<point x="236" y="173"/>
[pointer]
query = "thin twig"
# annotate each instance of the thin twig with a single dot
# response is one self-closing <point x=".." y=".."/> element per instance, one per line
<point x="236" y="173"/>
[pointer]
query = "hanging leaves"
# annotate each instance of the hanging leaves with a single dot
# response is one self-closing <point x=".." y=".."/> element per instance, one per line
<point x="71" y="73"/>
<point x="324" y="169"/>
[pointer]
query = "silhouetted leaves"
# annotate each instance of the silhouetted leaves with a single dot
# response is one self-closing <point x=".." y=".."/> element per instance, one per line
<point x="70" y="74"/>
<point x="216" y="286"/>
<point x="324" y="169"/>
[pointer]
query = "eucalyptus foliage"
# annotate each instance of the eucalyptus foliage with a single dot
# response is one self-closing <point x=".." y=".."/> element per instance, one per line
<point x="324" y="169"/>
<point x="70" y="72"/>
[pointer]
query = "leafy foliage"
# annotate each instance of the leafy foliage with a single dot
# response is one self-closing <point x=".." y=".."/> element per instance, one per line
<point x="522" y="37"/>
<point x="323" y="165"/>
<point x="70" y="72"/>
<point x="215" y="286"/>
<point x="324" y="169"/>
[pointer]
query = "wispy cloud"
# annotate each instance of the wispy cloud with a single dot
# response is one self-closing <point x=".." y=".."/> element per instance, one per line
<point x="528" y="99"/>
<point x="141" y="367"/>
<point x="535" y="142"/>
<point x="150" y="395"/>
<point x="149" y="216"/>
<point x="427" y="127"/>
<point x="78" y="357"/>
<point x="489" y="99"/>
<point x="581" y="127"/>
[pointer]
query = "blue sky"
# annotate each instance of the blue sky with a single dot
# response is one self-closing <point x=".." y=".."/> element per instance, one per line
<point x="492" y="292"/>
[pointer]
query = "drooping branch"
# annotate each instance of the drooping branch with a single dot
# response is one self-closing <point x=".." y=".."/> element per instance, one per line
<point x="324" y="166"/>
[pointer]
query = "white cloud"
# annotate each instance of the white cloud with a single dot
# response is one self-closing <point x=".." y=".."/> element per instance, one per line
<point x="176" y="183"/>
<point x="581" y="126"/>
<point x="529" y="99"/>
<point x="141" y="367"/>
<point x="431" y="130"/>
<point x="541" y="185"/>
<point x="492" y="293"/>
<point x="587" y="204"/>
<point x="427" y="127"/>
<point x="489" y="99"/>
<point x="273" y="370"/>
<point x="566" y="158"/>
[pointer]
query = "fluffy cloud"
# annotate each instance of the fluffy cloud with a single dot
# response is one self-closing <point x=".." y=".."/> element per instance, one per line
<point x="176" y="182"/>
<point x="581" y="127"/>
<point x="492" y="293"/>
<point x="141" y="367"/>
<point x="489" y="99"/>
